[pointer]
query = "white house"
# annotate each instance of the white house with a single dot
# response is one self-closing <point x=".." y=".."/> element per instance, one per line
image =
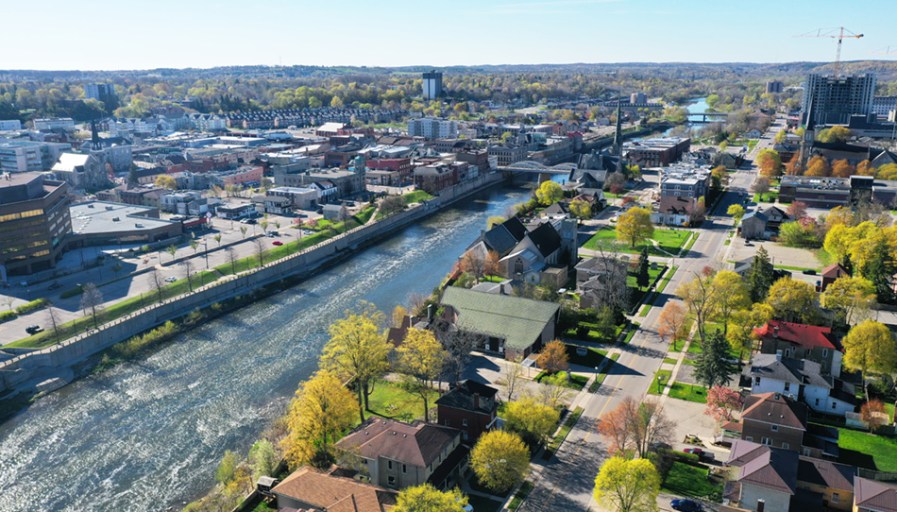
<point x="800" y="379"/>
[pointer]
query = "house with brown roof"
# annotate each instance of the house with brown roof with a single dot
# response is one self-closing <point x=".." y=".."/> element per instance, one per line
<point x="471" y="407"/>
<point x="397" y="455"/>
<point x="765" y="478"/>
<point x="773" y="419"/>
<point x="874" y="496"/>
<point x="801" y="341"/>
<point x="831" y="481"/>
<point x="308" y="489"/>
<point x="832" y="273"/>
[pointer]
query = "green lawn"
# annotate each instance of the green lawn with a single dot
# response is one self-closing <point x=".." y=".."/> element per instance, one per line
<point x="563" y="432"/>
<point x="694" y="481"/>
<point x="573" y="382"/>
<point x="389" y="400"/>
<point x="416" y="197"/>
<point x="670" y="241"/>
<point x="796" y="269"/>
<point x="768" y="197"/>
<point x="592" y="358"/>
<point x="521" y="495"/>
<point x="662" y="285"/>
<point x="689" y="392"/>
<point x="633" y="328"/>
<point x="670" y="360"/>
<point x="631" y="279"/>
<point x="883" y="450"/>
<point x="659" y="382"/>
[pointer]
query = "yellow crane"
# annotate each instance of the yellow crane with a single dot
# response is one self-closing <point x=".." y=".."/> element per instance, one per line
<point x="839" y="33"/>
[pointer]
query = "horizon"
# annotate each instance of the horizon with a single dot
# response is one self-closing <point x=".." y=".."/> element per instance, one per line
<point x="177" y="35"/>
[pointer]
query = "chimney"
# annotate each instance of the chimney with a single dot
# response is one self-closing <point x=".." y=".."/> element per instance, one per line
<point x="761" y="505"/>
<point x="476" y="400"/>
<point x="431" y="310"/>
<point x="775" y="331"/>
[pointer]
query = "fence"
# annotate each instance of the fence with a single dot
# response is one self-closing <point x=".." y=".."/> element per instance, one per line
<point x="23" y="370"/>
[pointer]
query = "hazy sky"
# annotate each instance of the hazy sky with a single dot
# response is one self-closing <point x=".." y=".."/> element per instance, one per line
<point x="123" y="34"/>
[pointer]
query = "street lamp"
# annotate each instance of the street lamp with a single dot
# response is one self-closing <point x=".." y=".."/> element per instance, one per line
<point x="205" y="242"/>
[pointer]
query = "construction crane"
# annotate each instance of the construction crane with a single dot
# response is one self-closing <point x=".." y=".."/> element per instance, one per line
<point x="839" y="33"/>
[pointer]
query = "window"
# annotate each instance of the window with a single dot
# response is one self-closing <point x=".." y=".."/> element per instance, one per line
<point x="464" y="422"/>
<point x="825" y="352"/>
<point x="749" y="438"/>
<point x="834" y="405"/>
<point x="835" y="497"/>
<point x="817" y="402"/>
<point x="788" y="386"/>
<point x="786" y="446"/>
<point x="404" y="468"/>
<point x="392" y="480"/>
<point x="389" y="464"/>
<point x="756" y="381"/>
<point x="767" y="441"/>
<point x="775" y="428"/>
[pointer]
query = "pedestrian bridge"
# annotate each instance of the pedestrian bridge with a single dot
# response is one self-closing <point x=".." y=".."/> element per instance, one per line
<point x="533" y="167"/>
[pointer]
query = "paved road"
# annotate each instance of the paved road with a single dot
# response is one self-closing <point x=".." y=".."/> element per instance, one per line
<point x="566" y="482"/>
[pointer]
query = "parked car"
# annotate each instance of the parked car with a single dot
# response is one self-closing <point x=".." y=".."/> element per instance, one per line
<point x="810" y="272"/>
<point x="685" y="505"/>
<point x="277" y="242"/>
<point x="703" y="455"/>
<point x="54" y="286"/>
<point x="170" y="279"/>
<point x="33" y="329"/>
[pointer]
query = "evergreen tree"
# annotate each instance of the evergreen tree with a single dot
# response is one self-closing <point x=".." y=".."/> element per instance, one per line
<point x="643" y="279"/>
<point x="760" y="275"/>
<point x="132" y="179"/>
<point x="712" y="366"/>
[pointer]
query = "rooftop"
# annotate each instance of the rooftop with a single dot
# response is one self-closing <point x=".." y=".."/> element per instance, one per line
<point x="327" y="491"/>
<point x="108" y="217"/>
<point x="808" y="336"/>
<point x="418" y="444"/>
<point x="775" y="408"/>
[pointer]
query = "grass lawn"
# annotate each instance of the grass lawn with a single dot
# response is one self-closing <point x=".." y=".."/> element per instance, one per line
<point x="889" y="408"/>
<point x="670" y="360"/>
<point x="666" y="279"/>
<point x="599" y="379"/>
<point x="593" y="334"/>
<point x="883" y="450"/>
<point x="573" y="382"/>
<point x="633" y="328"/>
<point x="485" y="504"/>
<point x="389" y="400"/>
<point x="691" y="243"/>
<point x="796" y="269"/>
<point x="562" y="433"/>
<point x="592" y="358"/>
<point x="768" y="197"/>
<point x="416" y="197"/>
<point x="660" y="381"/>
<point x="670" y="241"/>
<point x="631" y="279"/>
<point x="521" y="495"/>
<point x="689" y="392"/>
<point x="687" y="480"/>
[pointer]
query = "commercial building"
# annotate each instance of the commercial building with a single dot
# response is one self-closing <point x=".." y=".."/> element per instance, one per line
<point x="26" y="155"/>
<point x="432" y="128"/>
<point x="831" y="100"/>
<point x="34" y="223"/>
<point x="10" y="124"/>
<point x="55" y="123"/>
<point x="775" y="86"/>
<point x="682" y="192"/>
<point x="882" y="107"/>
<point x="100" y="92"/>
<point x="80" y="171"/>
<point x="638" y="98"/>
<point x="102" y="222"/>
<point x="432" y="85"/>
<point x="656" y="152"/>
<point x="298" y="197"/>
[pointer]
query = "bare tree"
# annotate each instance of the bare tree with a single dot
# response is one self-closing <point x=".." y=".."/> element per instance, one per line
<point x="260" y="250"/>
<point x="91" y="301"/>
<point x="513" y="374"/>
<point x="611" y="271"/>
<point x="53" y="318"/>
<point x="8" y="300"/>
<point x="157" y="282"/>
<point x="473" y="263"/>
<point x="232" y="259"/>
<point x="188" y="273"/>
<point x="458" y="344"/>
<point x="637" y="426"/>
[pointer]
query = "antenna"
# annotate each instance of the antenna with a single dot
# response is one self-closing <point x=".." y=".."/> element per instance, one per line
<point x="839" y="33"/>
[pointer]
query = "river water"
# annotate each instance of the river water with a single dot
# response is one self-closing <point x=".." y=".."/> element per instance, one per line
<point x="148" y="435"/>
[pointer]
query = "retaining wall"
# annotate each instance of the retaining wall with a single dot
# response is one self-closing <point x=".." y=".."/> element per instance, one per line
<point x="24" y="371"/>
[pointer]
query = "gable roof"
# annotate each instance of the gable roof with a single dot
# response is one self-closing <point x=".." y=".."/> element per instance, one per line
<point x="874" y="495"/>
<point x="519" y="321"/>
<point x="546" y="239"/>
<point x="786" y="369"/>
<point x="773" y="468"/>
<point x="834" y="271"/>
<point x="69" y="161"/>
<point x="503" y="237"/>
<point x="416" y="444"/>
<point x="826" y="473"/>
<point x="755" y="214"/>
<point x="461" y="396"/>
<point x="775" y="408"/>
<point x="327" y="491"/>
<point x="807" y="336"/>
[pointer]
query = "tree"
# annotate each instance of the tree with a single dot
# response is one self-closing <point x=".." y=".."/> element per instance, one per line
<point x="53" y="318"/>
<point x="473" y="263"/>
<point x="133" y="181"/>
<point x="835" y="134"/>
<point x="581" y="209"/>
<point x="800" y="233"/>
<point x="392" y="204"/>
<point x="864" y="169"/>
<point x="553" y="357"/>
<point x="532" y="419"/>
<point x="635" y="426"/>
<point x="549" y="192"/>
<point x="873" y="413"/>
<point x="760" y="186"/>
<point x="671" y="320"/>
<point x="91" y="301"/>
<point x="499" y="460"/>
<point x="243" y="230"/>
<point x="426" y="498"/>
<point x="399" y="313"/>
<point x="217" y="238"/>
<point x="869" y="348"/>
<point x="719" y="177"/>
<point x="743" y="323"/>
<point x="262" y="458"/>
<point x="259" y="246"/>
<point x="491" y="265"/>
<point x="797" y="210"/>
<point x="818" y="166"/>
<point x="194" y="244"/>
<point x="167" y="182"/>
<point x="730" y="295"/>
<point x="231" y="254"/>
<point x="736" y="211"/>
<point x="421" y="359"/>
<point x="187" y="265"/>
<point x="171" y="250"/>
<point x="321" y="410"/>
<point x="700" y="298"/>
<point x="850" y="297"/>
<point x="554" y="390"/>
<point x="513" y="374"/>
<point x="842" y="169"/>
<point x="722" y="402"/>
<point x="494" y="220"/>
<point x="769" y="162"/>
<point x="643" y="279"/>
<point x="712" y="365"/>
<point x="358" y="351"/>
<point x="635" y="226"/>
<point x="792" y="300"/>
<point x="627" y="485"/>
<point x="781" y="135"/>
<point x="457" y="344"/>
<point x="226" y="468"/>
<point x="157" y="282"/>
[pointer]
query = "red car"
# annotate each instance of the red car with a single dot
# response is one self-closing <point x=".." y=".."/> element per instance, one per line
<point x="277" y="242"/>
<point x="707" y="456"/>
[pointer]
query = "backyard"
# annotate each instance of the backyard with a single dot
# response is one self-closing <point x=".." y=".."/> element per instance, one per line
<point x="694" y="481"/>
<point x="390" y="400"/>
<point x="882" y="450"/>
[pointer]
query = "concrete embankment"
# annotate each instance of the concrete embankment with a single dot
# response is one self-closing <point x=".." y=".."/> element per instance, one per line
<point x="25" y="371"/>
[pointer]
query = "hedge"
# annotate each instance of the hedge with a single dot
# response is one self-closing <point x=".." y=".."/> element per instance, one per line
<point x="34" y="305"/>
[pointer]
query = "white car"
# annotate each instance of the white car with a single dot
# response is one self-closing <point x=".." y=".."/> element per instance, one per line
<point x="170" y="279"/>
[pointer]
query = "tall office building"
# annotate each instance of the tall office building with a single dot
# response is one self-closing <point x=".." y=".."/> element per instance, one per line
<point x="774" y="86"/>
<point x="100" y="92"/>
<point x="836" y="99"/>
<point x="432" y="85"/>
<point x="34" y="222"/>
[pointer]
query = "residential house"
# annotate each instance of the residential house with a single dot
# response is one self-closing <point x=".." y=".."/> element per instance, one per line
<point x="599" y="279"/>
<point x="333" y="490"/>
<point x="775" y="420"/>
<point x="683" y="192"/>
<point x="775" y="216"/>
<point x="830" y="480"/>
<point x="753" y="225"/>
<point x="766" y="477"/>
<point x="802" y="341"/>
<point x="800" y="379"/>
<point x="832" y="273"/>
<point x="874" y="496"/>
<point x="510" y="326"/>
<point x="397" y="455"/>
<point x="471" y="407"/>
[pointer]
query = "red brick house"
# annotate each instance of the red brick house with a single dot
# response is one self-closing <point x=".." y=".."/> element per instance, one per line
<point x="470" y="407"/>
<point x="801" y="341"/>
<point x="832" y="273"/>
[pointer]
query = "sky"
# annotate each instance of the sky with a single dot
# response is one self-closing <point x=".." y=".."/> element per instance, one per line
<point x="146" y="34"/>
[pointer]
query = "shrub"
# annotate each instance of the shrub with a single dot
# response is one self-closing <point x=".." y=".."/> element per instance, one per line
<point x="29" y="307"/>
<point x="6" y="316"/>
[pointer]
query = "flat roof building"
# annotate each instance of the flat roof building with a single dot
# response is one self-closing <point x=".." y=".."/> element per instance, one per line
<point x="34" y="222"/>
<point x="831" y="100"/>
<point x="103" y="222"/>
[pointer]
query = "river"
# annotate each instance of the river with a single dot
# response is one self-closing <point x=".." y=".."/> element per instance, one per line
<point x="148" y="435"/>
